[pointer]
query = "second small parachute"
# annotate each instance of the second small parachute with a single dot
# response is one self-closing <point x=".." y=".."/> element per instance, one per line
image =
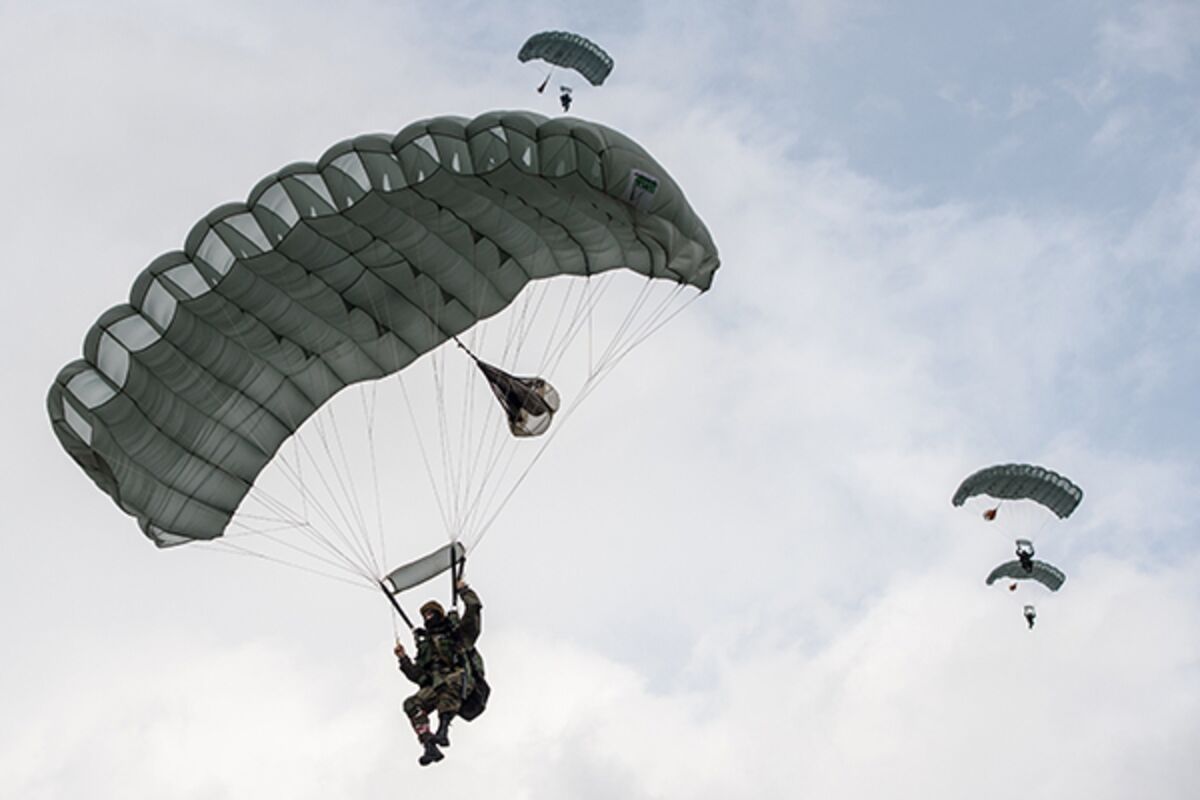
<point x="1022" y="482"/>
<point x="1048" y="575"/>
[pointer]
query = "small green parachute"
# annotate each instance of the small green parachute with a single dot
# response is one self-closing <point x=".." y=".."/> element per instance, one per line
<point x="571" y="51"/>
<point x="1022" y="482"/>
<point x="1048" y="575"/>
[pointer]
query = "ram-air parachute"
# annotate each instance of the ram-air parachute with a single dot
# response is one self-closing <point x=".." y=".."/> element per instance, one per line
<point x="503" y="235"/>
<point x="1022" y="482"/>
<point x="569" y="51"/>
<point x="1046" y="574"/>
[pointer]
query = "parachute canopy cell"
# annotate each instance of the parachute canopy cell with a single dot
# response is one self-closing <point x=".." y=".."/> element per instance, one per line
<point x="344" y="271"/>
<point x="569" y="50"/>
<point x="1022" y="482"/>
<point x="1048" y="575"/>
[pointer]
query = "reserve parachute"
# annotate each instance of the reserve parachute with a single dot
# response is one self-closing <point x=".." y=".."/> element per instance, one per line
<point x="503" y="234"/>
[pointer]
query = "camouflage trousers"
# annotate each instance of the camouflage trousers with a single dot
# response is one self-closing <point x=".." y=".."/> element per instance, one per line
<point x="445" y="695"/>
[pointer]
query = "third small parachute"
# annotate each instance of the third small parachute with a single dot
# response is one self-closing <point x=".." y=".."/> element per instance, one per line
<point x="569" y="50"/>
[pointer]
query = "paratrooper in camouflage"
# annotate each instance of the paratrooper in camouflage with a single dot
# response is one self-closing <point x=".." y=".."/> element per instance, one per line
<point x="448" y="670"/>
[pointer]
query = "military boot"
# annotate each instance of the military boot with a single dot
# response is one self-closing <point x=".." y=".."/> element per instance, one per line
<point x="442" y="737"/>
<point x="431" y="755"/>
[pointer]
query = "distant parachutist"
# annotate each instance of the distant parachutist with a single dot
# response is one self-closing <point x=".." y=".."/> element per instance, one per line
<point x="565" y="98"/>
<point x="1022" y="482"/>
<point x="1026" y="567"/>
<point x="1025" y="554"/>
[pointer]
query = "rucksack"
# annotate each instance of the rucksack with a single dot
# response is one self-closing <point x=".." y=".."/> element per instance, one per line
<point x="475" y="703"/>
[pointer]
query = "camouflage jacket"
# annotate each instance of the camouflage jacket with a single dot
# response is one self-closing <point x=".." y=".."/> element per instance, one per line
<point x="447" y="648"/>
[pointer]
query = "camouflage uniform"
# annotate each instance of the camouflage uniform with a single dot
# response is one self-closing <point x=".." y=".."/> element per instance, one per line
<point x="441" y="667"/>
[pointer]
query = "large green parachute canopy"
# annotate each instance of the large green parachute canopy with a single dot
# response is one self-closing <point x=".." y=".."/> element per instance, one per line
<point x="569" y="50"/>
<point x="1046" y="574"/>
<point x="1022" y="482"/>
<point x="344" y="271"/>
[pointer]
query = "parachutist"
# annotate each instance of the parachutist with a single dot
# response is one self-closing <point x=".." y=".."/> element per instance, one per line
<point x="565" y="99"/>
<point x="448" y="669"/>
<point x="1030" y="616"/>
<point x="1025" y="554"/>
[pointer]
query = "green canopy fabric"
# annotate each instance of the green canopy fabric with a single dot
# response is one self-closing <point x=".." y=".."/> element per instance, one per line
<point x="1048" y="575"/>
<point x="343" y="271"/>
<point x="1022" y="482"/>
<point x="569" y="50"/>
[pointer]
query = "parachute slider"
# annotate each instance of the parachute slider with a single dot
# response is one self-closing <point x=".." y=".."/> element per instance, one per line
<point x="414" y="573"/>
<point x="423" y="569"/>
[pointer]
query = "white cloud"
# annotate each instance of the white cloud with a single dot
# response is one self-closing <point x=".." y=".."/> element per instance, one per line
<point x="1112" y="132"/>
<point x="1090" y="94"/>
<point x="1166" y="234"/>
<point x="936" y="686"/>
<point x="184" y="718"/>
<point x="1024" y="99"/>
<point x="817" y="20"/>
<point x="1159" y="38"/>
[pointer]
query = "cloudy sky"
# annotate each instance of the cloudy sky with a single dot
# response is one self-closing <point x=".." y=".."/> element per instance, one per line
<point x="951" y="236"/>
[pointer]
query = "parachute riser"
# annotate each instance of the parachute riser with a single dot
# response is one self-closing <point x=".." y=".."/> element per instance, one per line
<point x="456" y="568"/>
<point x="392" y="599"/>
<point x="465" y="349"/>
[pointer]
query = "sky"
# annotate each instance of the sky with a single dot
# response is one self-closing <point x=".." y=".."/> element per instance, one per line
<point x="951" y="234"/>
